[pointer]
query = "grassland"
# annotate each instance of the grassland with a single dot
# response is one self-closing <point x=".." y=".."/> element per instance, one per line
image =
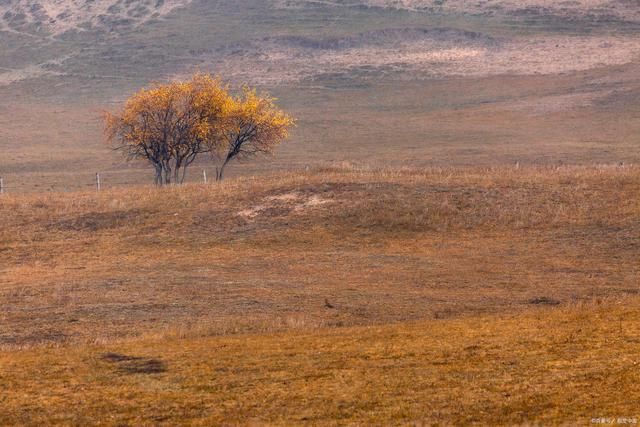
<point x="378" y="107"/>
<point x="545" y="366"/>
<point x="451" y="235"/>
<point x="336" y="295"/>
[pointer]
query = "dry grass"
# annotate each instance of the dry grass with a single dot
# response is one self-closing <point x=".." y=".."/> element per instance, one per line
<point x="262" y="254"/>
<point x="546" y="366"/>
<point x="417" y="54"/>
<point x="492" y="296"/>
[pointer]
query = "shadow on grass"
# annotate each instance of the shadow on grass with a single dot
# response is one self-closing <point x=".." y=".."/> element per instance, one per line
<point x="135" y="365"/>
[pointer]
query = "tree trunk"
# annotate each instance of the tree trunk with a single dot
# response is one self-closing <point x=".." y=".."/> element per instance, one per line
<point x="158" y="177"/>
<point x="167" y="174"/>
<point x="220" y="173"/>
<point x="176" y="175"/>
<point x="184" y="174"/>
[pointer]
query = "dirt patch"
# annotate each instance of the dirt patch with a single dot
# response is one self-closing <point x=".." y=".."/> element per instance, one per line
<point x="96" y="221"/>
<point x="544" y="301"/>
<point x="135" y="365"/>
<point x="283" y="204"/>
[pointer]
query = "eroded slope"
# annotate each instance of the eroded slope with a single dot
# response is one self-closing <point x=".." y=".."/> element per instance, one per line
<point x="59" y="16"/>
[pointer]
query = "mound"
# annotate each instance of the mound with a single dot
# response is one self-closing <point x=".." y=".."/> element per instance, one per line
<point x="331" y="247"/>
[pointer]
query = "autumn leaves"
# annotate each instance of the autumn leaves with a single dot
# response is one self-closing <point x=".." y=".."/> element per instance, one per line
<point x="171" y="125"/>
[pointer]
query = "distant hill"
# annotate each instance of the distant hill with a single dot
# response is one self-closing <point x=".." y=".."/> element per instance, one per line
<point x="56" y="17"/>
<point x="423" y="82"/>
<point x="626" y="10"/>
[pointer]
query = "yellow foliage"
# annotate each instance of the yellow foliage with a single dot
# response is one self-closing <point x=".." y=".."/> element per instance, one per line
<point x="171" y="124"/>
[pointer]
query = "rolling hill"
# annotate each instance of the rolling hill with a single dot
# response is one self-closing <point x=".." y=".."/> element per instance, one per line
<point x="418" y="83"/>
<point x="57" y="17"/>
<point x="329" y="296"/>
<point x="450" y="236"/>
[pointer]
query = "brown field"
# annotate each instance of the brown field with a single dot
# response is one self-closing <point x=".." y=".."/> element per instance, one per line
<point x="450" y="236"/>
<point x="561" y="366"/>
<point x="487" y="295"/>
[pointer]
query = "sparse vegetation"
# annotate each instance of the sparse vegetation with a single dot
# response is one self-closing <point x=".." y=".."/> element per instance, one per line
<point x="263" y="254"/>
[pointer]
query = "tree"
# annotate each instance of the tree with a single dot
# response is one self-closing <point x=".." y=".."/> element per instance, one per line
<point x="253" y="125"/>
<point x="170" y="125"/>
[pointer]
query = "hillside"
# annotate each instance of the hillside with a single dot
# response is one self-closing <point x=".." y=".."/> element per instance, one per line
<point x="539" y="367"/>
<point x="487" y="295"/>
<point x="57" y="17"/>
<point x="621" y="10"/>
<point x="418" y="83"/>
<point x="256" y="253"/>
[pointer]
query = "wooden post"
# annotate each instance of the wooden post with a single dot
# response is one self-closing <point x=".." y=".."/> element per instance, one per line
<point x="98" y="183"/>
<point x="204" y="175"/>
<point x="1" y="186"/>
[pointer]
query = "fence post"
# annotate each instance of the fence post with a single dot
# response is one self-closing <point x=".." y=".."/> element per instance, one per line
<point x="204" y="175"/>
<point x="98" y="183"/>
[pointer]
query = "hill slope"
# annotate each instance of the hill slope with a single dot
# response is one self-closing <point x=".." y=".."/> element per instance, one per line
<point x="494" y="296"/>
<point x="565" y="366"/>
<point x="57" y="17"/>
<point x="422" y="84"/>
<point x="622" y="10"/>
<point x="267" y="253"/>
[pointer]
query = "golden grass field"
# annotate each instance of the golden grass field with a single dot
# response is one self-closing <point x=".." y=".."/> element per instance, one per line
<point x="331" y="296"/>
<point x="545" y="366"/>
<point x="451" y="236"/>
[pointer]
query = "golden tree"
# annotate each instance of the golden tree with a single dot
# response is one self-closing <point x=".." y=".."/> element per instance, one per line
<point x="253" y="125"/>
<point x="170" y="125"/>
